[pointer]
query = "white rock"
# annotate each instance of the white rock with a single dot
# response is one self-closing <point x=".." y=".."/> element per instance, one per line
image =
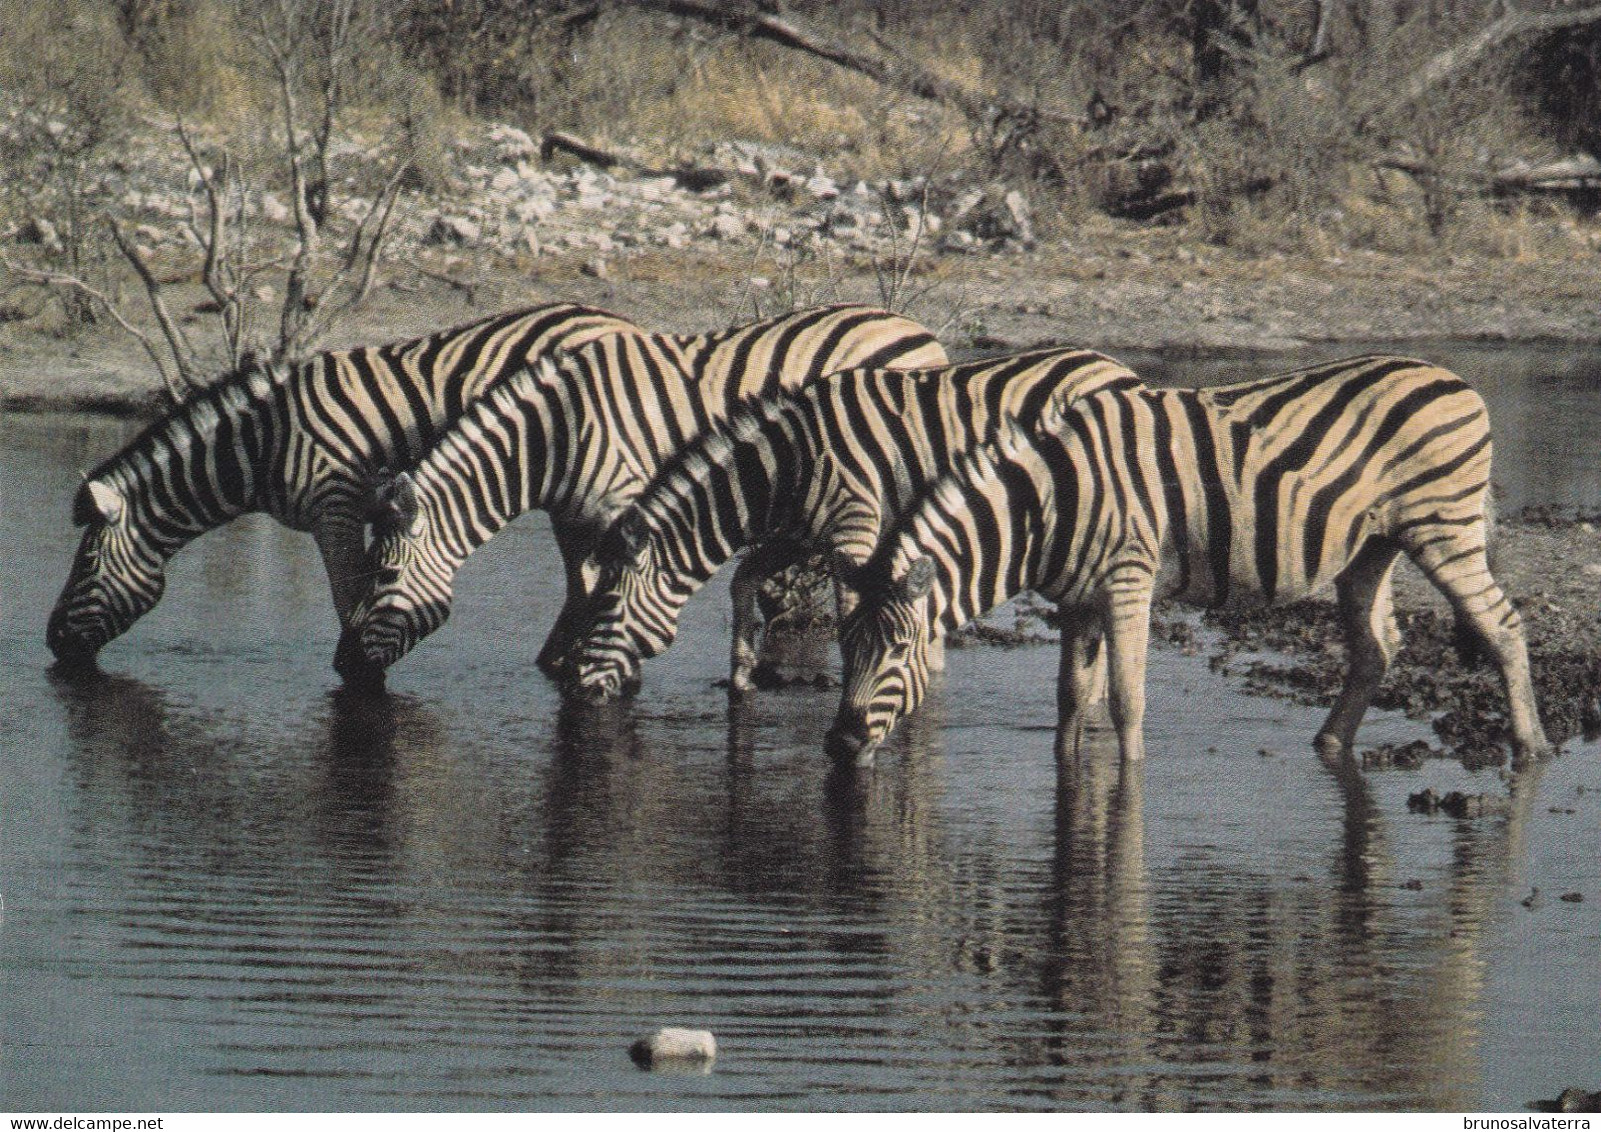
<point x="511" y="143"/>
<point x="505" y="180"/>
<point x="39" y="230"/>
<point x="727" y="227"/>
<point x="534" y="209"/>
<point x="822" y="188"/>
<point x="672" y="1043"/>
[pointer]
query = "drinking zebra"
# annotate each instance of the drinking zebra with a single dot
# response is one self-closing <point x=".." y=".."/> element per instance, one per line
<point x="823" y="468"/>
<point x="579" y="437"/>
<point x="302" y="443"/>
<point x="1272" y="490"/>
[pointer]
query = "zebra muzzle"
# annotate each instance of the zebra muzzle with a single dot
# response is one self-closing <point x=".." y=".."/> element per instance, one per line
<point x="352" y="662"/>
<point x="849" y="745"/>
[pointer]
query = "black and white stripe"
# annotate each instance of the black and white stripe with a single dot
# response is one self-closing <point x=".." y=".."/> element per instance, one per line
<point x="1270" y="490"/>
<point x="302" y="443"/>
<point x="579" y="438"/>
<point x="820" y="469"/>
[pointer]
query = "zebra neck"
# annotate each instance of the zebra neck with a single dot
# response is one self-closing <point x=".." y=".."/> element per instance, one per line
<point x="525" y="447"/>
<point x="741" y="486"/>
<point x="198" y="469"/>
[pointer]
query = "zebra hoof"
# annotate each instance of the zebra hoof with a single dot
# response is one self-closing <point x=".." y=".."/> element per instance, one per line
<point x="1330" y="746"/>
<point x="1527" y="754"/>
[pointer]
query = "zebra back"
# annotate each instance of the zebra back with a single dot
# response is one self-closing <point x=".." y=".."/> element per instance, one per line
<point x="826" y="464"/>
<point x="579" y="437"/>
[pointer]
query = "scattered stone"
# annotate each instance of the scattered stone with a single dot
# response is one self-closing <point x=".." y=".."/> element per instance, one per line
<point x="1533" y="900"/>
<point x="273" y="210"/>
<point x="596" y="269"/>
<point x="1572" y="897"/>
<point x="1457" y="804"/>
<point x="728" y="227"/>
<point x="1413" y="885"/>
<point x="1572" y="1100"/>
<point x="39" y="230"/>
<point x="674" y="1045"/>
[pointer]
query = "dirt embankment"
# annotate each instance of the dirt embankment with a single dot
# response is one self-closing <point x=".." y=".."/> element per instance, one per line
<point x="1116" y="290"/>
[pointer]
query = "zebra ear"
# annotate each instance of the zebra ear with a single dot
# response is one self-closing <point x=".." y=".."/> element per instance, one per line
<point x="917" y="581"/>
<point x="626" y="540"/>
<point x="106" y="501"/>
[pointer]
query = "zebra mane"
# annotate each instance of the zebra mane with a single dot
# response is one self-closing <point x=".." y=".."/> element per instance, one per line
<point x="232" y="395"/>
<point x="694" y="462"/>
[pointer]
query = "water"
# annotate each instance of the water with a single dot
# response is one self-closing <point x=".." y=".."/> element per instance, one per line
<point x="228" y="886"/>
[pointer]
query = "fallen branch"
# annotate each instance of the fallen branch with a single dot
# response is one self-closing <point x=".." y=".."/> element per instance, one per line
<point x="1514" y="24"/>
<point x="696" y="178"/>
<point x="898" y="73"/>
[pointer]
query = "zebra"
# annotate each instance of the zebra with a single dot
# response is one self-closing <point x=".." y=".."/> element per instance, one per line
<point x="304" y="443"/>
<point x="819" y="469"/>
<point x="579" y="437"/>
<point x="1270" y="490"/>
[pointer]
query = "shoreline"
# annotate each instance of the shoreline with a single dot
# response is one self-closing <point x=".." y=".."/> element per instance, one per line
<point x="1133" y="292"/>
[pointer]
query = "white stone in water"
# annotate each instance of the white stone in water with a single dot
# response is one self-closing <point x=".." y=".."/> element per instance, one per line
<point x="674" y="1044"/>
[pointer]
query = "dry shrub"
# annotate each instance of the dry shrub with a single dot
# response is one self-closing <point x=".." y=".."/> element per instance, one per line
<point x="638" y="77"/>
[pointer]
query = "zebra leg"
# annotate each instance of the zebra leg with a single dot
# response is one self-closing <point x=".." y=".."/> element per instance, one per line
<point x="1080" y="678"/>
<point x="1367" y="621"/>
<point x="573" y="544"/>
<point x="1459" y="567"/>
<point x="744" y="652"/>
<point x="1128" y="635"/>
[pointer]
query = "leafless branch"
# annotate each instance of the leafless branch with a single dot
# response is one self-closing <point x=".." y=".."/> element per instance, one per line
<point x="183" y="353"/>
<point x="56" y="280"/>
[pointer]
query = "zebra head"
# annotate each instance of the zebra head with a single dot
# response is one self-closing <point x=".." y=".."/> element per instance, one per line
<point x="885" y="644"/>
<point x="631" y="615"/>
<point x="411" y="585"/>
<point x="117" y="575"/>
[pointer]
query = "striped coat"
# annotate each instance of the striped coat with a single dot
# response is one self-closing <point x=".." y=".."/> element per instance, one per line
<point x="303" y="444"/>
<point x="580" y="438"/>
<point x="1271" y="490"/>
<point x="820" y="469"/>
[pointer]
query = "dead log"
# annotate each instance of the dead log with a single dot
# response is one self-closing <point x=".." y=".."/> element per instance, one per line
<point x="1515" y="23"/>
<point x="695" y="178"/>
<point x="769" y="23"/>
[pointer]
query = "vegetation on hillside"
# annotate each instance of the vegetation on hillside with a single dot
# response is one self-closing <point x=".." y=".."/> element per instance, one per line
<point x="1397" y="125"/>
